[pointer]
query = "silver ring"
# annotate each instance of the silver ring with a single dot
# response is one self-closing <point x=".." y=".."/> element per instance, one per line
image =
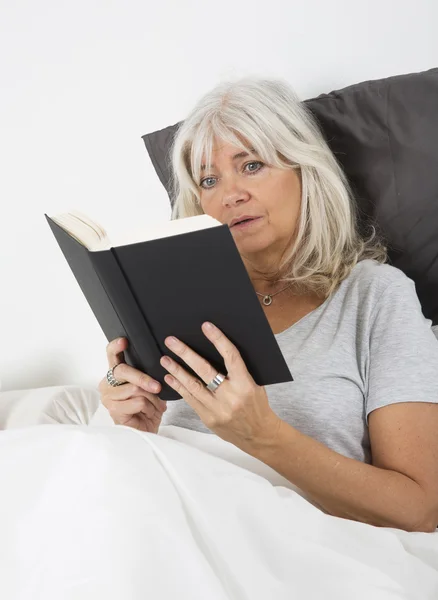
<point x="112" y="381"/>
<point x="215" y="383"/>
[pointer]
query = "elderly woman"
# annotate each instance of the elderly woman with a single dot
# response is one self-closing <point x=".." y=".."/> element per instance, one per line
<point x="357" y="429"/>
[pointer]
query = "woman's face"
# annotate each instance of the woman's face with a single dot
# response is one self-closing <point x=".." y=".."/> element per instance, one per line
<point x="238" y="185"/>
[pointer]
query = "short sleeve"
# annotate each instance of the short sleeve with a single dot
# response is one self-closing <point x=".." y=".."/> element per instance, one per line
<point x="403" y="350"/>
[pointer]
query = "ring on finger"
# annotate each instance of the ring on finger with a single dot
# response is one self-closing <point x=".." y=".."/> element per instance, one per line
<point x="216" y="382"/>
<point x="112" y="381"/>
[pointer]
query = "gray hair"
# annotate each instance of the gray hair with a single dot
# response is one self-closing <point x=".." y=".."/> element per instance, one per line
<point x="267" y="116"/>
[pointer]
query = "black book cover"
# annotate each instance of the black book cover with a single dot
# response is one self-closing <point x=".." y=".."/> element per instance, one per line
<point x="170" y="286"/>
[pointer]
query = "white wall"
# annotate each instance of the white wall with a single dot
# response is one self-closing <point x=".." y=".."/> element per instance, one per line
<point x="82" y="81"/>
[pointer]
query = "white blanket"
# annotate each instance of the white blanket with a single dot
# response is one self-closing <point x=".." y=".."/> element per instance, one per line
<point x="112" y="513"/>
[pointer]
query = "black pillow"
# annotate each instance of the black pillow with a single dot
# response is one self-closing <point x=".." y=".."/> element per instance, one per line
<point x="385" y="135"/>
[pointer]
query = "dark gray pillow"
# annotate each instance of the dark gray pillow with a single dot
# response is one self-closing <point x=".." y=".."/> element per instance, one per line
<point x="385" y="135"/>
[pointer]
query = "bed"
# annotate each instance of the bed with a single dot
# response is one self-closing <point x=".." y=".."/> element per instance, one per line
<point x="90" y="510"/>
<point x="79" y="520"/>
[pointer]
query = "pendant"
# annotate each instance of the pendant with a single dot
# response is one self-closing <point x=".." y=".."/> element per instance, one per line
<point x="267" y="300"/>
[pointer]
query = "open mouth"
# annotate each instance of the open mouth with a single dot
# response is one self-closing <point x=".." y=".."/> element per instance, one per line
<point x="245" y="223"/>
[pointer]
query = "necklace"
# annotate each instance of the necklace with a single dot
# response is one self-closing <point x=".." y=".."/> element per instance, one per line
<point x="267" y="298"/>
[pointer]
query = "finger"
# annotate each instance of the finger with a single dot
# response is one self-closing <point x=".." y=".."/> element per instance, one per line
<point x="199" y="365"/>
<point x="133" y="406"/>
<point x="124" y="372"/>
<point x="114" y="351"/>
<point x="233" y="360"/>
<point x="127" y="391"/>
<point x="183" y="382"/>
<point x="200" y="407"/>
<point x="123" y="392"/>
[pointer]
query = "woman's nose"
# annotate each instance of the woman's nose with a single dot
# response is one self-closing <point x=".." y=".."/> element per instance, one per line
<point x="234" y="194"/>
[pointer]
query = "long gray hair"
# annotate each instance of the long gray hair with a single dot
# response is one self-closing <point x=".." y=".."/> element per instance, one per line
<point x="267" y="116"/>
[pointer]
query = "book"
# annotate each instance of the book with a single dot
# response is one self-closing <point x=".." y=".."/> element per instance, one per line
<point x="167" y="280"/>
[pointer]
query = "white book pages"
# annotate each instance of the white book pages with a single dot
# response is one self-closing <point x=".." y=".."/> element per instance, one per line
<point x="91" y="235"/>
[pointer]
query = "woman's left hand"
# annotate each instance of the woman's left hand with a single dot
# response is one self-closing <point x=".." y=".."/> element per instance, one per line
<point x="238" y="411"/>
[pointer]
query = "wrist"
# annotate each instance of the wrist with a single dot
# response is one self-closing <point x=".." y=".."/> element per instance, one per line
<point x="268" y="439"/>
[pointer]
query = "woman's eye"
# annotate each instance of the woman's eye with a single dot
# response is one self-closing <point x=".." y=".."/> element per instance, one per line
<point x="208" y="182"/>
<point x="253" y="166"/>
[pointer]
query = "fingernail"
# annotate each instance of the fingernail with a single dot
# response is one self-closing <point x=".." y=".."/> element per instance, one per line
<point x="173" y="342"/>
<point x="208" y="326"/>
<point x="154" y="386"/>
<point x="165" y="361"/>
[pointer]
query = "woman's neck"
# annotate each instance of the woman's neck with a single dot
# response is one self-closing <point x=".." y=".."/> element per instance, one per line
<point x="263" y="269"/>
<point x="262" y="277"/>
<point x="267" y="287"/>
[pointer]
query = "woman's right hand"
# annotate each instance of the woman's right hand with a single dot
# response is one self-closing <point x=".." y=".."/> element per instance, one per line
<point x="135" y="403"/>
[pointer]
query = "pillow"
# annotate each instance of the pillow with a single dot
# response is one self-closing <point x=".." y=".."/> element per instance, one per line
<point x="68" y="404"/>
<point x="385" y="135"/>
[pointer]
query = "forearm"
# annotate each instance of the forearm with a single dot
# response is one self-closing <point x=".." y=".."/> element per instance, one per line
<point x="342" y="486"/>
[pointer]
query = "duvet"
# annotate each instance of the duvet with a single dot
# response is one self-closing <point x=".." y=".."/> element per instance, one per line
<point x="113" y="513"/>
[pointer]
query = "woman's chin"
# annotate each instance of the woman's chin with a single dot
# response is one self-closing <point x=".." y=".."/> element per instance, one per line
<point x="251" y="245"/>
<point x="252" y="239"/>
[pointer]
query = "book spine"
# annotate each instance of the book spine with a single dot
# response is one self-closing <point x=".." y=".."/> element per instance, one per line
<point x="105" y="286"/>
<point x="143" y="352"/>
<point x="79" y="261"/>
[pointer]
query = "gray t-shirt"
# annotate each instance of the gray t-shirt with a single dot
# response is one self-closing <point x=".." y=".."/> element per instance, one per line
<point x="368" y="345"/>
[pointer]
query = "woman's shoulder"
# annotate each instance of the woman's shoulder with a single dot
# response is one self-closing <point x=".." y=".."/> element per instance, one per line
<point x="371" y="283"/>
<point x="372" y="276"/>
